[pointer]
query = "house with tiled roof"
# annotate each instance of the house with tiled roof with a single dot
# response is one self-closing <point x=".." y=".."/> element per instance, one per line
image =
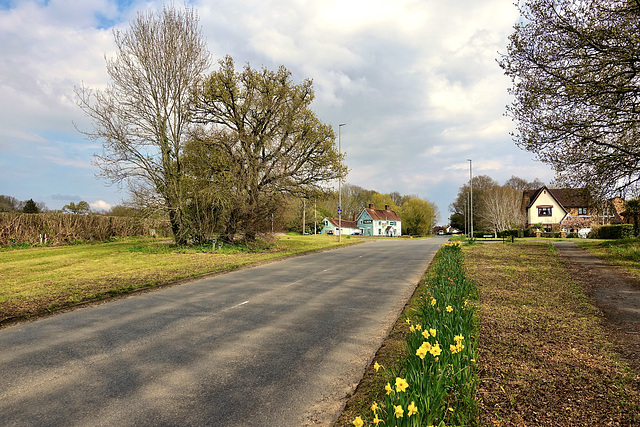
<point x="332" y="226"/>
<point x="379" y="222"/>
<point x="550" y="206"/>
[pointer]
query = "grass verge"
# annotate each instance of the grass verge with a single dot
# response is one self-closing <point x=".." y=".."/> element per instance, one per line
<point x="40" y="280"/>
<point x="543" y="355"/>
<point x="544" y="358"/>
<point x="424" y="373"/>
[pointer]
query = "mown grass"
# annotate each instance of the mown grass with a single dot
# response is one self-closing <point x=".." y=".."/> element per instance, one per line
<point x="624" y="252"/>
<point x="43" y="279"/>
<point x="543" y="354"/>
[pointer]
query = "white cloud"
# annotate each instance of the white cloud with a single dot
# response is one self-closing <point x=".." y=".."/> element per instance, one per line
<point x="415" y="80"/>
<point x="100" y="205"/>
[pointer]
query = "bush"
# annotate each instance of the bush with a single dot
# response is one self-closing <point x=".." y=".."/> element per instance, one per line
<point x="614" y="231"/>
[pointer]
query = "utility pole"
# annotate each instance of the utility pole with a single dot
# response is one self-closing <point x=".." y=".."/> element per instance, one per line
<point x="471" y="196"/>
<point x="340" y="185"/>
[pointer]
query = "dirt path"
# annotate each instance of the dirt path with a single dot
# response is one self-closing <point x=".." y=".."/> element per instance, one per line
<point x="615" y="292"/>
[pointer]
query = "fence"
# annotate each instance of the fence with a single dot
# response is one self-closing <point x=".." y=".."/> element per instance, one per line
<point x="59" y="228"/>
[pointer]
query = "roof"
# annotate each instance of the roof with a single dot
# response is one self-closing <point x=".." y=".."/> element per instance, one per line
<point x="345" y="223"/>
<point x="566" y="197"/>
<point x="382" y="214"/>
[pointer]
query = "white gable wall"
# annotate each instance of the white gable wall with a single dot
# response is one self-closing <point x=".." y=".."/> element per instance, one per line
<point x="545" y="200"/>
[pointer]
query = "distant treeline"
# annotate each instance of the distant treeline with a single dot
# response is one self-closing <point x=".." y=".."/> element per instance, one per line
<point x="61" y="228"/>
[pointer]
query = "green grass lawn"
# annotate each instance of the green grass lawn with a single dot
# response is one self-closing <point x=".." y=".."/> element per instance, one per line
<point x="43" y="279"/>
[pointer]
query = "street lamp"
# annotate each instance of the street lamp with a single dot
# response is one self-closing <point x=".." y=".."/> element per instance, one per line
<point x="471" y="196"/>
<point x="340" y="185"/>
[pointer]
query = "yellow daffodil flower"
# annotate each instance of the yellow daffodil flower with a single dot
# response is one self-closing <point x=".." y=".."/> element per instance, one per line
<point x="421" y="352"/>
<point x="433" y="301"/>
<point x="374" y="407"/>
<point x="388" y="388"/>
<point x="399" y="412"/>
<point x="449" y="309"/>
<point x="401" y="384"/>
<point x="418" y="327"/>
<point x="358" y="422"/>
<point x="435" y="350"/>
<point x="432" y="332"/>
<point x="425" y="334"/>
<point x="376" y="420"/>
<point x="412" y="409"/>
<point x="376" y="366"/>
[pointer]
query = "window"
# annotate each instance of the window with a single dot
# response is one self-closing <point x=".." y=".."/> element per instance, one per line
<point x="582" y="211"/>
<point x="544" y="210"/>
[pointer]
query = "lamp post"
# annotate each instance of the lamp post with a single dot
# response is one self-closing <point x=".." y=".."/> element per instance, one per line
<point x="340" y="185"/>
<point x="470" y="197"/>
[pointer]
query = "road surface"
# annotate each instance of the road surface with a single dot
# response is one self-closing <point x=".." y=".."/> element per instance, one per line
<point x="280" y="344"/>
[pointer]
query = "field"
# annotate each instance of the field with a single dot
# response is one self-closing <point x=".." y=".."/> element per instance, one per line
<point x="40" y="280"/>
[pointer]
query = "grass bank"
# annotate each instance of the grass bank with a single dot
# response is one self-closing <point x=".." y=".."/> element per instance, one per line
<point x="543" y="355"/>
<point x="44" y="279"/>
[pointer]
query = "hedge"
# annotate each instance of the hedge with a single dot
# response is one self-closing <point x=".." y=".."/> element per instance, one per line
<point x="59" y="228"/>
<point x="614" y="231"/>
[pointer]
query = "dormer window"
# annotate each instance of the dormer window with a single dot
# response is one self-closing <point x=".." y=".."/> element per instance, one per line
<point x="544" y="210"/>
<point x="582" y="211"/>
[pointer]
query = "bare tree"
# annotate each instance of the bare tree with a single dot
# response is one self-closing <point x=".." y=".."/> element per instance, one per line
<point x="143" y="115"/>
<point x="500" y="206"/>
<point x="576" y="87"/>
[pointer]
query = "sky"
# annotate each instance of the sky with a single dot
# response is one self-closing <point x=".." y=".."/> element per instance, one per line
<point x="416" y="83"/>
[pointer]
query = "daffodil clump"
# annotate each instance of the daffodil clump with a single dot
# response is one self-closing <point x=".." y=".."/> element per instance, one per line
<point x="438" y="384"/>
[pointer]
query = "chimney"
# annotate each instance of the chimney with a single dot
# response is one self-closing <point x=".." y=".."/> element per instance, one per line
<point x="355" y="216"/>
<point x="386" y="207"/>
<point x="370" y="205"/>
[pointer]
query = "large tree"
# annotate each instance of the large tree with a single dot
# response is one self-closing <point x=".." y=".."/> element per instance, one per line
<point x="261" y="122"/>
<point x="418" y="217"/>
<point x="500" y="207"/>
<point x="574" y="66"/>
<point x="142" y="117"/>
<point x="481" y="184"/>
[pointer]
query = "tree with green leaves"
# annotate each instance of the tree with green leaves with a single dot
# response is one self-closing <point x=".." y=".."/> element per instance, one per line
<point x="576" y="87"/>
<point x="30" y="207"/>
<point x="418" y="217"/>
<point x="142" y="117"/>
<point x="80" y="208"/>
<point x="273" y="144"/>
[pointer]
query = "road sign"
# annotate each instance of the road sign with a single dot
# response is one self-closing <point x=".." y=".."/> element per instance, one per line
<point x="339" y="210"/>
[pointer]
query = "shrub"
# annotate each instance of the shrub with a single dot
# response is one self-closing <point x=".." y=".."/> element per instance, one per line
<point x="614" y="231"/>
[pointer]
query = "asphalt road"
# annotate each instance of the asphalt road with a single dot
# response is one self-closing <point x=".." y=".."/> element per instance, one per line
<point x="276" y="345"/>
